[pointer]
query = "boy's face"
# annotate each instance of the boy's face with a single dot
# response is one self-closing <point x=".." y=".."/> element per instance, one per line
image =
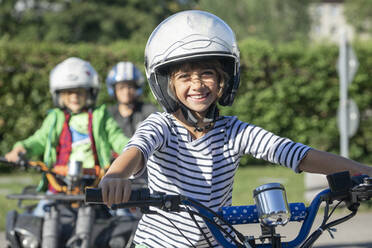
<point x="197" y="88"/>
<point x="126" y="92"/>
<point x="74" y="99"/>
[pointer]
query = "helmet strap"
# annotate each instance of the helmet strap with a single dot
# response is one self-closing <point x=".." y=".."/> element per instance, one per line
<point x="210" y="117"/>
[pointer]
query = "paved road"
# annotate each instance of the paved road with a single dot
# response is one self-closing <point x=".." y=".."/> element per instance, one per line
<point x="356" y="233"/>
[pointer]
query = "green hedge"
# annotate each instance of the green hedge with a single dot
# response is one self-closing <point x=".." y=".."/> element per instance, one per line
<point x="290" y="89"/>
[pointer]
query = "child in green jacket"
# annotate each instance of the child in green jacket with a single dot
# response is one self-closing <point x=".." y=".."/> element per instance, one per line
<point x="75" y="130"/>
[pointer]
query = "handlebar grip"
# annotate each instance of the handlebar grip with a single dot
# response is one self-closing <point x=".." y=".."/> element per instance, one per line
<point x="22" y="161"/>
<point x="3" y="160"/>
<point x="94" y="195"/>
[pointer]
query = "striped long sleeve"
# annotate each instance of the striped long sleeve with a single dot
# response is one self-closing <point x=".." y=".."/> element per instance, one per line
<point x="202" y="169"/>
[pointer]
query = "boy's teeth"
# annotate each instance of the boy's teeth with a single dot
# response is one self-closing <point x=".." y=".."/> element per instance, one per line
<point x="199" y="96"/>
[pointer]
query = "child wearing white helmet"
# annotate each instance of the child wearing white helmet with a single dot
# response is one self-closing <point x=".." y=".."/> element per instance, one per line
<point x="125" y="84"/>
<point x="192" y="66"/>
<point x="76" y="130"/>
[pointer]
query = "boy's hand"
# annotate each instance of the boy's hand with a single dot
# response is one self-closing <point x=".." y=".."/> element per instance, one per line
<point x="115" y="190"/>
<point x="13" y="155"/>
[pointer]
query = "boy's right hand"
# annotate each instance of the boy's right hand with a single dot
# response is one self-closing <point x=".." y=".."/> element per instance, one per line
<point x="115" y="190"/>
<point x="13" y="155"/>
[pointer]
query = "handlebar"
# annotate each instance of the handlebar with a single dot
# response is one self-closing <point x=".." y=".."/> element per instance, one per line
<point x="138" y="198"/>
<point x="351" y="190"/>
<point x="58" y="171"/>
<point x="60" y="177"/>
<point x="94" y="195"/>
<point x="54" y="197"/>
<point x="22" y="162"/>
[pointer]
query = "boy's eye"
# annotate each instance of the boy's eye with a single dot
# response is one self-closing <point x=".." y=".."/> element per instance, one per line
<point x="205" y="74"/>
<point x="208" y="72"/>
<point x="125" y="86"/>
<point x="183" y="76"/>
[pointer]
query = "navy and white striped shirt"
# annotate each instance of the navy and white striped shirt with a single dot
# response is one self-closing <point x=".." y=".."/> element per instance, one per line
<point x="203" y="169"/>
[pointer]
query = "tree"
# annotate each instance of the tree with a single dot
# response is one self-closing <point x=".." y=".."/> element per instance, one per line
<point x="273" y="20"/>
<point x="73" y="21"/>
<point x="358" y="14"/>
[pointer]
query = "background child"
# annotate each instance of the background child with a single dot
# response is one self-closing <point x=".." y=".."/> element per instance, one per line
<point x="125" y="83"/>
<point x="75" y="130"/>
<point x="192" y="64"/>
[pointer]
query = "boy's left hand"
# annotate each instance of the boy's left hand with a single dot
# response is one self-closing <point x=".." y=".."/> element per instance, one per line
<point x="13" y="155"/>
<point x="115" y="190"/>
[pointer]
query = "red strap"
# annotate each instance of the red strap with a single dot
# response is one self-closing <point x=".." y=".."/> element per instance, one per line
<point x="65" y="142"/>
<point x="64" y="147"/>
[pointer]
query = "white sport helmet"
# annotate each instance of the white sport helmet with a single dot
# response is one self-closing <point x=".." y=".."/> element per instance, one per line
<point x="122" y="72"/>
<point x="74" y="73"/>
<point x="186" y="36"/>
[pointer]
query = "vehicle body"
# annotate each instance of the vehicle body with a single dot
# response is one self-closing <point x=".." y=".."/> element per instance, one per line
<point x="67" y="220"/>
<point x="270" y="211"/>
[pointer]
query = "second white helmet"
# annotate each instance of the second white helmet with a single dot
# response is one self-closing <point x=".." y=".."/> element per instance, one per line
<point x="124" y="71"/>
<point x="187" y="36"/>
<point x="74" y="73"/>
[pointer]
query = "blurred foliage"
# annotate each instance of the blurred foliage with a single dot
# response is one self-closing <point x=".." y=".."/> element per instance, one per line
<point x="84" y="21"/>
<point x="104" y="22"/>
<point x="291" y="90"/>
<point x="273" y="20"/>
<point x="358" y="14"/>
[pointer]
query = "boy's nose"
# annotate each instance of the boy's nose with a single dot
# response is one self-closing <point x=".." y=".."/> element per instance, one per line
<point x="74" y="94"/>
<point x="196" y="79"/>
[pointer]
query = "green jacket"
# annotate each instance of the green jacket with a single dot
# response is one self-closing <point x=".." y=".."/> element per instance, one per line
<point x="107" y="137"/>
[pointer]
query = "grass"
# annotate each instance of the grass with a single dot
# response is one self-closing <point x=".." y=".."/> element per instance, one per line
<point x="249" y="178"/>
<point x="12" y="183"/>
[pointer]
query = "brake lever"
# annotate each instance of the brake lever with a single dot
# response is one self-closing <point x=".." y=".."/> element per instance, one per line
<point x="362" y="192"/>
